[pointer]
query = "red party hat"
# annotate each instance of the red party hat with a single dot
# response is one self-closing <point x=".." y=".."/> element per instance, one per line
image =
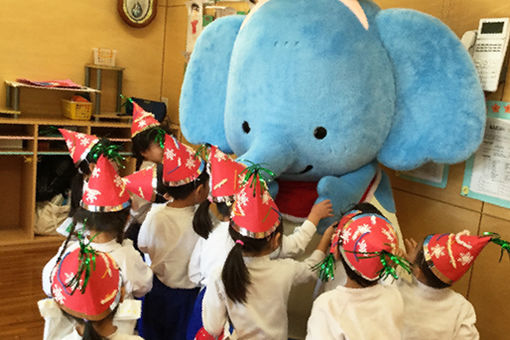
<point x="225" y="175"/>
<point x="180" y="164"/>
<point x="255" y="214"/>
<point x="449" y="256"/>
<point x="79" y="144"/>
<point x="142" y="120"/>
<point x="87" y="284"/>
<point x="106" y="191"/>
<point x="364" y="238"/>
<point x="143" y="183"/>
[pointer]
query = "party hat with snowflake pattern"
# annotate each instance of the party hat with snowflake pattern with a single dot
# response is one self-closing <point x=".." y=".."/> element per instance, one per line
<point x="449" y="256"/>
<point x="87" y="290"/>
<point x="255" y="213"/>
<point x="106" y="191"/>
<point x="144" y="183"/>
<point x="225" y="175"/>
<point x="363" y="236"/>
<point x="142" y="120"/>
<point x="180" y="163"/>
<point x="79" y="144"/>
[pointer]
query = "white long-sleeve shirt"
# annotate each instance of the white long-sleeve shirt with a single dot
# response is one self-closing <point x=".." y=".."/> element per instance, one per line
<point x="357" y="314"/>
<point x="264" y="315"/>
<point x="136" y="275"/>
<point x="210" y="254"/>
<point x="432" y="313"/>
<point x="168" y="237"/>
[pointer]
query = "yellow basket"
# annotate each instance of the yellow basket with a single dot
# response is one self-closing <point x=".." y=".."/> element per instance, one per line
<point x="76" y="110"/>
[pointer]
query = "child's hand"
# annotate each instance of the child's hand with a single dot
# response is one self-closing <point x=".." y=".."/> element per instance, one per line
<point x="325" y="241"/>
<point x="411" y="249"/>
<point x="319" y="211"/>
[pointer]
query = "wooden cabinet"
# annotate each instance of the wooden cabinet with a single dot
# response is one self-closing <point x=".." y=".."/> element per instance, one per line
<point x="22" y="143"/>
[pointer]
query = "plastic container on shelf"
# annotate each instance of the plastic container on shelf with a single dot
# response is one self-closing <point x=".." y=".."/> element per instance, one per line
<point x="104" y="56"/>
<point x="77" y="110"/>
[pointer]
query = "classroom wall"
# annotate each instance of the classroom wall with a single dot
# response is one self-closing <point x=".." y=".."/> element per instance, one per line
<point x="44" y="40"/>
<point x="54" y="39"/>
<point x="422" y="209"/>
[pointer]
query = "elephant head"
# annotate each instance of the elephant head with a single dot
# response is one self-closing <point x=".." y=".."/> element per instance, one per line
<point x="325" y="87"/>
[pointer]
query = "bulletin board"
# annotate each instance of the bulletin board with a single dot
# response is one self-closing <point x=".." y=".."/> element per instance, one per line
<point x="487" y="172"/>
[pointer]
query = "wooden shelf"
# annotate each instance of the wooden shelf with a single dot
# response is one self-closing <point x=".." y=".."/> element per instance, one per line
<point x="83" y="89"/>
<point x="17" y="137"/>
<point x="104" y="67"/>
<point x="19" y="173"/>
<point x="27" y="118"/>
<point x="14" y="236"/>
<point x="15" y="152"/>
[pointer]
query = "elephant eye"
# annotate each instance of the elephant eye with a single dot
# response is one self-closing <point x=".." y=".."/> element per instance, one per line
<point x="246" y="127"/>
<point x="320" y="132"/>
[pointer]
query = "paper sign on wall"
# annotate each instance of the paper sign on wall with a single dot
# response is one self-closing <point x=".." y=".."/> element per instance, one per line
<point x="195" y="12"/>
<point x="487" y="173"/>
<point x="431" y="174"/>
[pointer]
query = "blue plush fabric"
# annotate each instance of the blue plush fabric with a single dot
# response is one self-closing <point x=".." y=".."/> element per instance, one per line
<point x="203" y="92"/>
<point x="440" y="104"/>
<point x="306" y="90"/>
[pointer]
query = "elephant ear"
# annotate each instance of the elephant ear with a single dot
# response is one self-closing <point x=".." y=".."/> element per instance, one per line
<point x="203" y="93"/>
<point x="440" y="107"/>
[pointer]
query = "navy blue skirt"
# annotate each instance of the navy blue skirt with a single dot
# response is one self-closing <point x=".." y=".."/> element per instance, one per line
<point x="195" y="322"/>
<point x="166" y="311"/>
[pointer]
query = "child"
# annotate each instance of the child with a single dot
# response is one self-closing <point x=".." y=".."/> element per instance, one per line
<point x="84" y="150"/>
<point x="148" y="142"/>
<point x="215" y="242"/>
<point x="363" y="308"/>
<point x="104" y="211"/>
<point x="432" y="309"/>
<point x="168" y="237"/>
<point x="251" y="290"/>
<point x="88" y="294"/>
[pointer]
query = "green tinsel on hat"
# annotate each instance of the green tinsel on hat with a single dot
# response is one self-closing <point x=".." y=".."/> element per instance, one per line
<point x="87" y="262"/>
<point x="496" y="238"/>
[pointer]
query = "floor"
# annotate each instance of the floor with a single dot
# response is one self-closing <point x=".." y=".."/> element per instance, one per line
<point x="20" y="289"/>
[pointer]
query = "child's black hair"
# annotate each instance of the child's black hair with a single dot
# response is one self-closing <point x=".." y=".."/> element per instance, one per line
<point x="202" y="224"/>
<point x="431" y="279"/>
<point x="355" y="276"/>
<point x="365" y="208"/>
<point x="110" y="222"/>
<point x="142" y="141"/>
<point x="183" y="191"/>
<point x="89" y="332"/>
<point x="235" y="274"/>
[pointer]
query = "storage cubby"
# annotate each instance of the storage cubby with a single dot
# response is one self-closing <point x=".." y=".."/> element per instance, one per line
<point x="34" y="139"/>
<point x="17" y="202"/>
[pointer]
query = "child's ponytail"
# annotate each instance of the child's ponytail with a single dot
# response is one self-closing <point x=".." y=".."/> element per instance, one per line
<point x="235" y="275"/>
<point x="202" y="224"/>
<point x="90" y="333"/>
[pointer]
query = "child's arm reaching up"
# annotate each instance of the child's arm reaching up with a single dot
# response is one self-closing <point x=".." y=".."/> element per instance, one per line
<point x="296" y="243"/>
<point x="304" y="270"/>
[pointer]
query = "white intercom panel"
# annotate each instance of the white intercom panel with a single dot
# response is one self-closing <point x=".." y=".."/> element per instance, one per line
<point x="488" y="47"/>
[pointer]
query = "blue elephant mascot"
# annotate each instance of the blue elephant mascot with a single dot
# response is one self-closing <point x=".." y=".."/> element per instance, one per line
<point x="320" y="94"/>
<point x="321" y="91"/>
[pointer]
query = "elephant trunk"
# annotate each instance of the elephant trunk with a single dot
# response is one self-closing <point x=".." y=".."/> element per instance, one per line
<point x="275" y="156"/>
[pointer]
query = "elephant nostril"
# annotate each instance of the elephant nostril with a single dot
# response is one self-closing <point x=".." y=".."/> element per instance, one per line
<point x="246" y="127"/>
